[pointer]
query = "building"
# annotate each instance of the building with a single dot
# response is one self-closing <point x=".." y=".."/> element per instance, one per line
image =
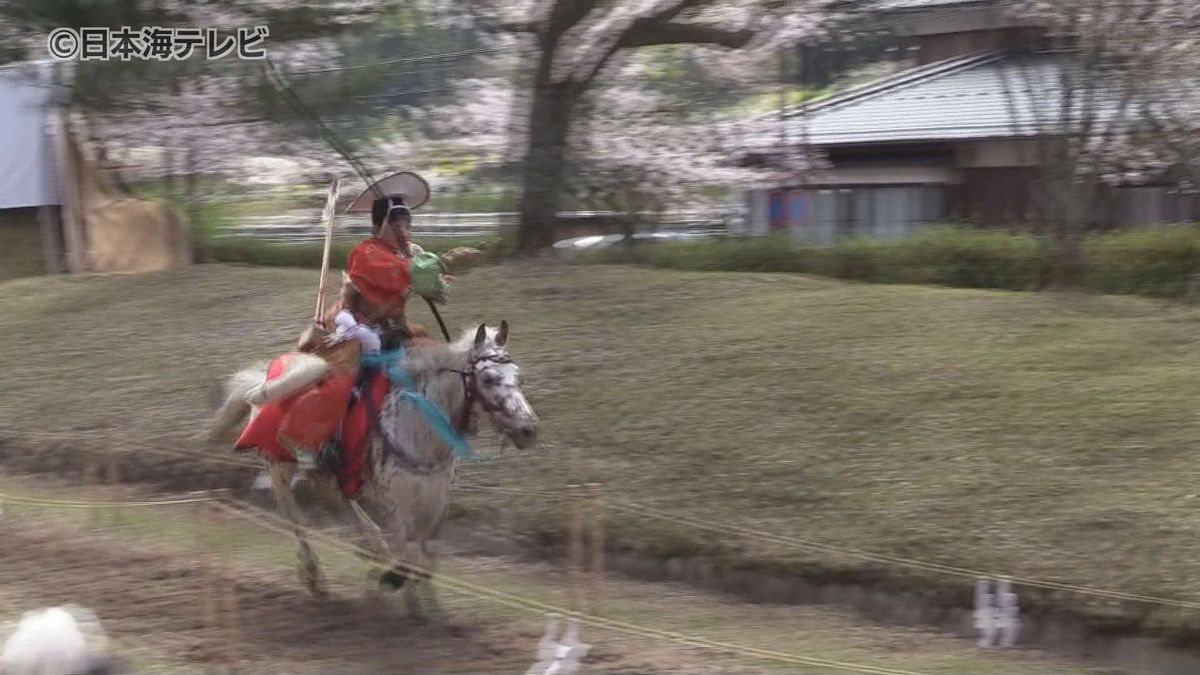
<point x="954" y="137"/>
<point x="60" y="210"/>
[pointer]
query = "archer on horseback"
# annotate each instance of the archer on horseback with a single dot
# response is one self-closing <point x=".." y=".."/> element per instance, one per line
<point x="381" y="273"/>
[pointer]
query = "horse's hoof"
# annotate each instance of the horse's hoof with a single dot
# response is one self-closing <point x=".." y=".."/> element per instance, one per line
<point x="392" y="580"/>
<point x="417" y="610"/>
<point x="315" y="583"/>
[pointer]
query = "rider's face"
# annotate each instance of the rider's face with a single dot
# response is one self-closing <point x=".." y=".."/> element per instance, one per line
<point x="395" y="231"/>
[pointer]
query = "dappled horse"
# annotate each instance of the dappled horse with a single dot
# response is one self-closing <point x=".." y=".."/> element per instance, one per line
<point x="405" y="485"/>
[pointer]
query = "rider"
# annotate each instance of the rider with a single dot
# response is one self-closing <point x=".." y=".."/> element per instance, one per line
<point x="381" y="272"/>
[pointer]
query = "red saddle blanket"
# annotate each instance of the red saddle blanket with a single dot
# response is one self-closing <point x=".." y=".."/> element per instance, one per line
<point x="262" y="433"/>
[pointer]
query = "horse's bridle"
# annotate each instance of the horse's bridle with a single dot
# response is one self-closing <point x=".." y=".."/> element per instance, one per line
<point x="471" y="385"/>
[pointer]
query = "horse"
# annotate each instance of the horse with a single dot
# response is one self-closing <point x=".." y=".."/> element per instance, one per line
<point x="406" y="484"/>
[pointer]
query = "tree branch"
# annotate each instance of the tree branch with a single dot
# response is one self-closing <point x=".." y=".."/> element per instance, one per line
<point x="518" y="26"/>
<point x="647" y="32"/>
<point x="687" y="34"/>
<point x="563" y="16"/>
<point x="661" y="28"/>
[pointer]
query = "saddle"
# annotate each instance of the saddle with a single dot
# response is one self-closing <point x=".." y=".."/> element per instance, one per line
<point x="262" y="433"/>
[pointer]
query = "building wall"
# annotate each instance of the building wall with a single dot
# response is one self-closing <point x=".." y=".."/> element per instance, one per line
<point x="757" y="217"/>
<point x="996" y="154"/>
<point x="824" y="214"/>
<point x="933" y="48"/>
<point x="21" y="252"/>
<point x="1150" y="205"/>
<point x="993" y="196"/>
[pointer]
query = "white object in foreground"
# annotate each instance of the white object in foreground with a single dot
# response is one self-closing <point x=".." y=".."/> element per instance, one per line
<point x="996" y="614"/>
<point x="55" y="641"/>
<point x="555" y="657"/>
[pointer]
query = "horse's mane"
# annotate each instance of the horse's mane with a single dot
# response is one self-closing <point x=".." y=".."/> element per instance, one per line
<point x="427" y="356"/>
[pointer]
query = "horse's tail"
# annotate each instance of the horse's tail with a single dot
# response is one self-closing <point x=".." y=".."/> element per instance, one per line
<point x="229" y="401"/>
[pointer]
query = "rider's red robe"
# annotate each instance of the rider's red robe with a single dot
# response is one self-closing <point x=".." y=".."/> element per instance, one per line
<point x="308" y="419"/>
<point x="380" y="275"/>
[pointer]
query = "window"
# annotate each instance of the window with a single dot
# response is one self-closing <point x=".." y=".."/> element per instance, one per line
<point x="886" y="212"/>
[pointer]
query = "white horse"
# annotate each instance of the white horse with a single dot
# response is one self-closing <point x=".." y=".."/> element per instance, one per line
<point x="406" y="486"/>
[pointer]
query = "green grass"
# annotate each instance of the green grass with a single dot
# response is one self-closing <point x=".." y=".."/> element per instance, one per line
<point x="1043" y="435"/>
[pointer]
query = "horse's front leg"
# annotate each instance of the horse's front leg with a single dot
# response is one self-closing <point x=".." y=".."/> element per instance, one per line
<point x="432" y="506"/>
<point x="396" y="572"/>
<point x="281" y="474"/>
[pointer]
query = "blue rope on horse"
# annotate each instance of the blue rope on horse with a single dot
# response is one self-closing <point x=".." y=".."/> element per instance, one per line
<point x="389" y="362"/>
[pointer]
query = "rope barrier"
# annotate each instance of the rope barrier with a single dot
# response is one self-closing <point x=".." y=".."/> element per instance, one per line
<point x="868" y="556"/>
<point x="634" y="508"/>
<point x="280" y="525"/>
<point x="31" y="501"/>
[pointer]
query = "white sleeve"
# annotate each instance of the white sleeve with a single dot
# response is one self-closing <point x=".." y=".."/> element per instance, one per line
<point x="344" y="321"/>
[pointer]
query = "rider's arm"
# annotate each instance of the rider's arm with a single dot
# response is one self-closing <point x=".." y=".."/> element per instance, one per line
<point x="425" y="276"/>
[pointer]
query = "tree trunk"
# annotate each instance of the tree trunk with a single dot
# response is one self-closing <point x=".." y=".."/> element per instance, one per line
<point x="544" y="166"/>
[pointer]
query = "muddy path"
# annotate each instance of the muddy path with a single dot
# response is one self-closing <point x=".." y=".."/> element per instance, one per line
<point x="149" y="579"/>
<point x="155" y="602"/>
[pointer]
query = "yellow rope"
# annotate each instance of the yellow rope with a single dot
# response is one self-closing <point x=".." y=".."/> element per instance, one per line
<point x="650" y="512"/>
<point x="281" y="525"/>
<point x="882" y="558"/>
<point x="31" y="501"/>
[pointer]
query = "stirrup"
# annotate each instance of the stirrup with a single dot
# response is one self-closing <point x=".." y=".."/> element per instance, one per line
<point x="305" y="460"/>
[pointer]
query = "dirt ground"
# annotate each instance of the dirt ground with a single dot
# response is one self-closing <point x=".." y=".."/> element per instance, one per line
<point x="153" y="604"/>
<point x="151" y="578"/>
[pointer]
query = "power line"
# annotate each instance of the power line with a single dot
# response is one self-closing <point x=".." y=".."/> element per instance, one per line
<point x="407" y="59"/>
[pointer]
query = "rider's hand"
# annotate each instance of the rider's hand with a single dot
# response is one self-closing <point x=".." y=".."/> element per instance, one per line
<point x="460" y="254"/>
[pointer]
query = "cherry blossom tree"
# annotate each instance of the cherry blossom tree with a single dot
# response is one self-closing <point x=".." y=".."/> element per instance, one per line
<point x="1116" y="106"/>
<point x="571" y="44"/>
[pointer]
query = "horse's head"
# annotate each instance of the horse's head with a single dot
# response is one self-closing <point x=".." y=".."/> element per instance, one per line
<point x="494" y="385"/>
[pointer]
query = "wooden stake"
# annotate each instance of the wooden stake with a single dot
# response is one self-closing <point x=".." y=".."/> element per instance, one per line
<point x="596" y="539"/>
<point x="575" y="548"/>
<point x="208" y="607"/>
<point x="91" y="479"/>
<point x="114" y="478"/>
<point x="229" y="608"/>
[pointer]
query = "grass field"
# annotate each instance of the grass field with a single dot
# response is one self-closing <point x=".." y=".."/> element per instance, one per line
<point x="1042" y="435"/>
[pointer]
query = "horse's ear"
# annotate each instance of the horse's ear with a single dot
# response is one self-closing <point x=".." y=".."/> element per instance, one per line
<point x="502" y="336"/>
<point x="480" y="336"/>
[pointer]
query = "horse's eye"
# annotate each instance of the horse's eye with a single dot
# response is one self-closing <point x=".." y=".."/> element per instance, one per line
<point x="491" y="380"/>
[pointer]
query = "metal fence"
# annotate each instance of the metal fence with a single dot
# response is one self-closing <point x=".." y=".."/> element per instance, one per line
<point x="302" y="225"/>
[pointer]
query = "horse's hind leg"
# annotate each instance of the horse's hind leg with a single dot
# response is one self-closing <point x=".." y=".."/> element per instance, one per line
<point x="281" y="483"/>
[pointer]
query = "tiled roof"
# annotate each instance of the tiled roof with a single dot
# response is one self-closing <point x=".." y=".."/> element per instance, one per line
<point x="923" y="4"/>
<point x="976" y="97"/>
